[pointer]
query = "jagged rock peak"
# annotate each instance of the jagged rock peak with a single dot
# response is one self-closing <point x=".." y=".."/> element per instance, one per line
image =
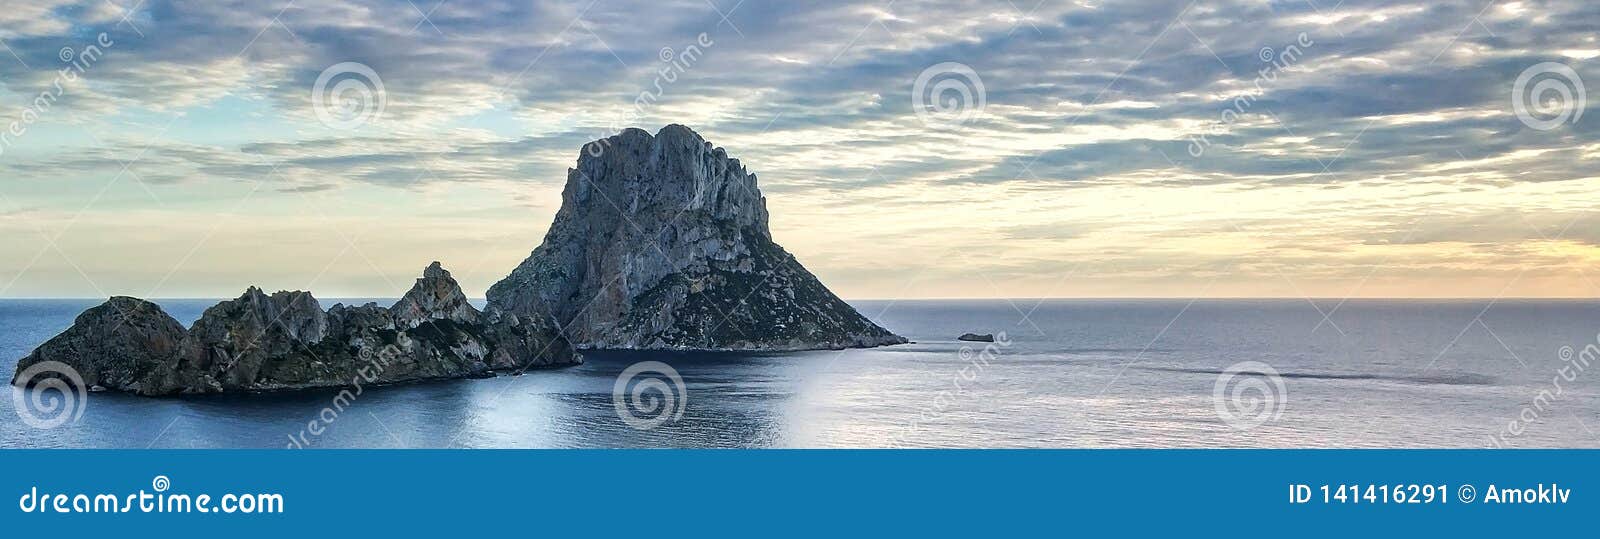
<point x="662" y="242"/>
<point x="435" y="271"/>
<point x="296" y="312"/>
<point x="435" y="296"/>
<point x="674" y="171"/>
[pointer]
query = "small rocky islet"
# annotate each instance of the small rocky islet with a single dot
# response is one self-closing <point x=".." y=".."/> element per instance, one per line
<point x="661" y="243"/>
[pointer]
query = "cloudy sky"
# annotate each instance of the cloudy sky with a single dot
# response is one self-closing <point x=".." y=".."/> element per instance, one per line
<point x="1016" y="148"/>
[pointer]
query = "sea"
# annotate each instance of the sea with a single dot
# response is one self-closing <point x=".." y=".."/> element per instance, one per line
<point x="1281" y="373"/>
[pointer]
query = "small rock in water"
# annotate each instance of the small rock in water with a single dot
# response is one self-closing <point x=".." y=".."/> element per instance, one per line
<point x="974" y="337"/>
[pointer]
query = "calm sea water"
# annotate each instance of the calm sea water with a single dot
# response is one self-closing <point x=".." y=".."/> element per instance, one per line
<point x="1077" y="373"/>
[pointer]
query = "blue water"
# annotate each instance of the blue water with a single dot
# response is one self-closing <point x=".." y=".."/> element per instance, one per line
<point x="1077" y="373"/>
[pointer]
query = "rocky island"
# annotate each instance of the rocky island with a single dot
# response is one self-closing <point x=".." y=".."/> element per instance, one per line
<point x="261" y="342"/>
<point x="661" y="243"/>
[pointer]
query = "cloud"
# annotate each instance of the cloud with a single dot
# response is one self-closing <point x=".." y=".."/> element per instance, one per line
<point x="1377" y="110"/>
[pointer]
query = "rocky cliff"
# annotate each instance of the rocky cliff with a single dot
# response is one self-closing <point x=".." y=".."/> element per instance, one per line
<point x="661" y="242"/>
<point x="261" y="342"/>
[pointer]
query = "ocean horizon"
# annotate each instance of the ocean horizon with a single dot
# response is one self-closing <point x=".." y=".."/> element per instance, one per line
<point x="1062" y="373"/>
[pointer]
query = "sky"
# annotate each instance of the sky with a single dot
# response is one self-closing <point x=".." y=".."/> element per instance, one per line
<point x="1022" y="148"/>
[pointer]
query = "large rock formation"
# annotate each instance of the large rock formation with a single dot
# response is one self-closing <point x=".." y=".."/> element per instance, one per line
<point x="661" y="242"/>
<point x="261" y="342"/>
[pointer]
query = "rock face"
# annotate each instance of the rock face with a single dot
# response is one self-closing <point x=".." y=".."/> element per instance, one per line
<point x="112" y="345"/>
<point x="436" y="296"/>
<point x="662" y="242"/>
<point x="261" y="342"/>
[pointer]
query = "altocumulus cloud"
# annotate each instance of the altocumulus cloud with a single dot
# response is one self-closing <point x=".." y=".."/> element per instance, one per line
<point x="1385" y="132"/>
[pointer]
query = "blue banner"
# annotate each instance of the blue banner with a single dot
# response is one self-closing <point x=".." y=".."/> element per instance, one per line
<point x="745" y="493"/>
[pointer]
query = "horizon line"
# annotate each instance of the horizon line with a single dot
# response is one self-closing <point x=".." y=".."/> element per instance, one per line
<point x="985" y="298"/>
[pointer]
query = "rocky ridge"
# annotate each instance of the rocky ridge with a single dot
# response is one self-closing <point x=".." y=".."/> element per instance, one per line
<point x="262" y="342"/>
